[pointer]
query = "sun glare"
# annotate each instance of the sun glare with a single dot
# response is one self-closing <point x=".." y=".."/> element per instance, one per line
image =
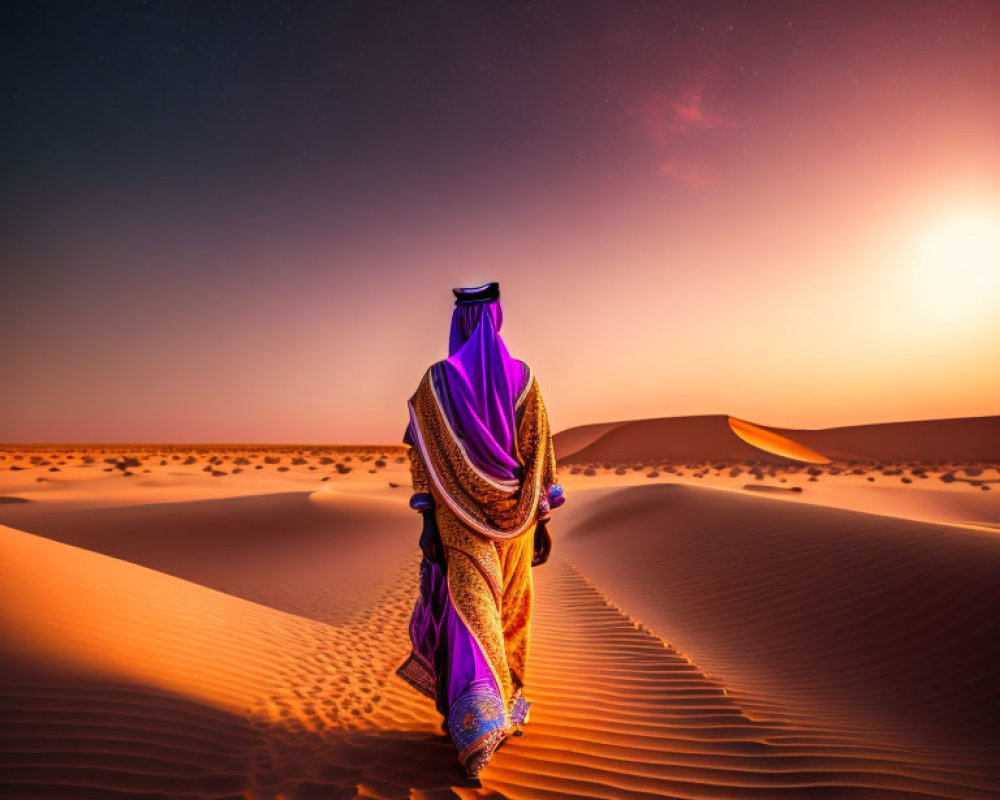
<point x="954" y="267"/>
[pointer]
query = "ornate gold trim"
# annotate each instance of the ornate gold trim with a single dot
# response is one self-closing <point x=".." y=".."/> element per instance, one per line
<point x="417" y="674"/>
<point x="527" y="386"/>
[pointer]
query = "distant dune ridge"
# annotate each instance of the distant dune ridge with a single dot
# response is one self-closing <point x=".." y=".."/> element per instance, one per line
<point x="718" y="437"/>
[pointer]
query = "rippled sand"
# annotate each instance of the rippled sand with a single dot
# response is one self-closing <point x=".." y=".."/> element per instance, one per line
<point x="182" y="633"/>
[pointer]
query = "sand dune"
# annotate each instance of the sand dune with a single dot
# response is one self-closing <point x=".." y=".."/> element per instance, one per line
<point x="574" y="439"/>
<point x="709" y="437"/>
<point x="689" y="642"/>
<point x="703" y="437"/>
<point x="104" y="657"/>
<point x="958" y="439"/>
<point x="888" y="626"/>
<point x="195" y="693"/>
<point x="620" y="713"/>
<point x="322" y="549"/>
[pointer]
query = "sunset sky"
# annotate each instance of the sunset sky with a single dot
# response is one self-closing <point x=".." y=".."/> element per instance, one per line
<point x="228" y="222"/>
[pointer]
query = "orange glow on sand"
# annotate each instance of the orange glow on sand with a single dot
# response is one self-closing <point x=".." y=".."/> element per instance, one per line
<point x="771" y="442"/>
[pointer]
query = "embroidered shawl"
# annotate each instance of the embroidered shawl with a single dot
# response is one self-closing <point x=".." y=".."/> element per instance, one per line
<point x="498" y="509"/>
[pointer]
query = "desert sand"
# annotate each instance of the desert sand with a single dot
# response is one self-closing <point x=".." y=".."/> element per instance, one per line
<point x="730" y="623"/>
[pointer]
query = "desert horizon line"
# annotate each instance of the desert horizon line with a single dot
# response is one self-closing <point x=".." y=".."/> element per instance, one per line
<point x="383" y="445"/>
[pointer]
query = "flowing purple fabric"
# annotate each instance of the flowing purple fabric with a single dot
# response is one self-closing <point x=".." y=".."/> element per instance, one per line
<point x="479" y="383"/>
<point x="441" y="639"/>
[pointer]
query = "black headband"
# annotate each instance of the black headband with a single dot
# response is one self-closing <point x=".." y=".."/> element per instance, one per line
<point x="477" y="294"/>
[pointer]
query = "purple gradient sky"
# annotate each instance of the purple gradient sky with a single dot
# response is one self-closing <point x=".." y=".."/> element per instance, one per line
<point x="242" y="224"/>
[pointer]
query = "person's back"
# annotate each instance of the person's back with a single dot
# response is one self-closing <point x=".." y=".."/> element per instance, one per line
<point x="484" y="479"/>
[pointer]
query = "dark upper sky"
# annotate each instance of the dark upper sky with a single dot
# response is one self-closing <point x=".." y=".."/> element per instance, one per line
<point x="224" y="99"/>
<point x="241" y="221"/>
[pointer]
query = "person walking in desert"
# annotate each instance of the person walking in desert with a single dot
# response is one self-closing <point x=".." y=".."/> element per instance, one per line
<point x="483" y="466"/>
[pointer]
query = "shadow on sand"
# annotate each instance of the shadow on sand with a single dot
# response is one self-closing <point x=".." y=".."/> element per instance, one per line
<point x="72" y="735"/>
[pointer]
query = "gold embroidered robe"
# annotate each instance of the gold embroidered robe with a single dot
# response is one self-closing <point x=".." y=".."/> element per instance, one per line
<point x="487" y="528"/>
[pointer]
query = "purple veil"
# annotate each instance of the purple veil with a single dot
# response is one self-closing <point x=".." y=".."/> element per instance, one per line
<point x="478" y="385"/>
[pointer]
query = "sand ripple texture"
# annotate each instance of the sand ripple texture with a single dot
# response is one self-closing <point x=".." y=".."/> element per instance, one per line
<point x="123" y="681"/>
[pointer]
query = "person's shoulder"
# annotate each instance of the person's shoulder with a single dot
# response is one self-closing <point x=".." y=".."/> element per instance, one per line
<point x="528" y="381"/>
<point x="430" y="370"/>
<point x="425" y="376"/>
<point x="529" y="374"/>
